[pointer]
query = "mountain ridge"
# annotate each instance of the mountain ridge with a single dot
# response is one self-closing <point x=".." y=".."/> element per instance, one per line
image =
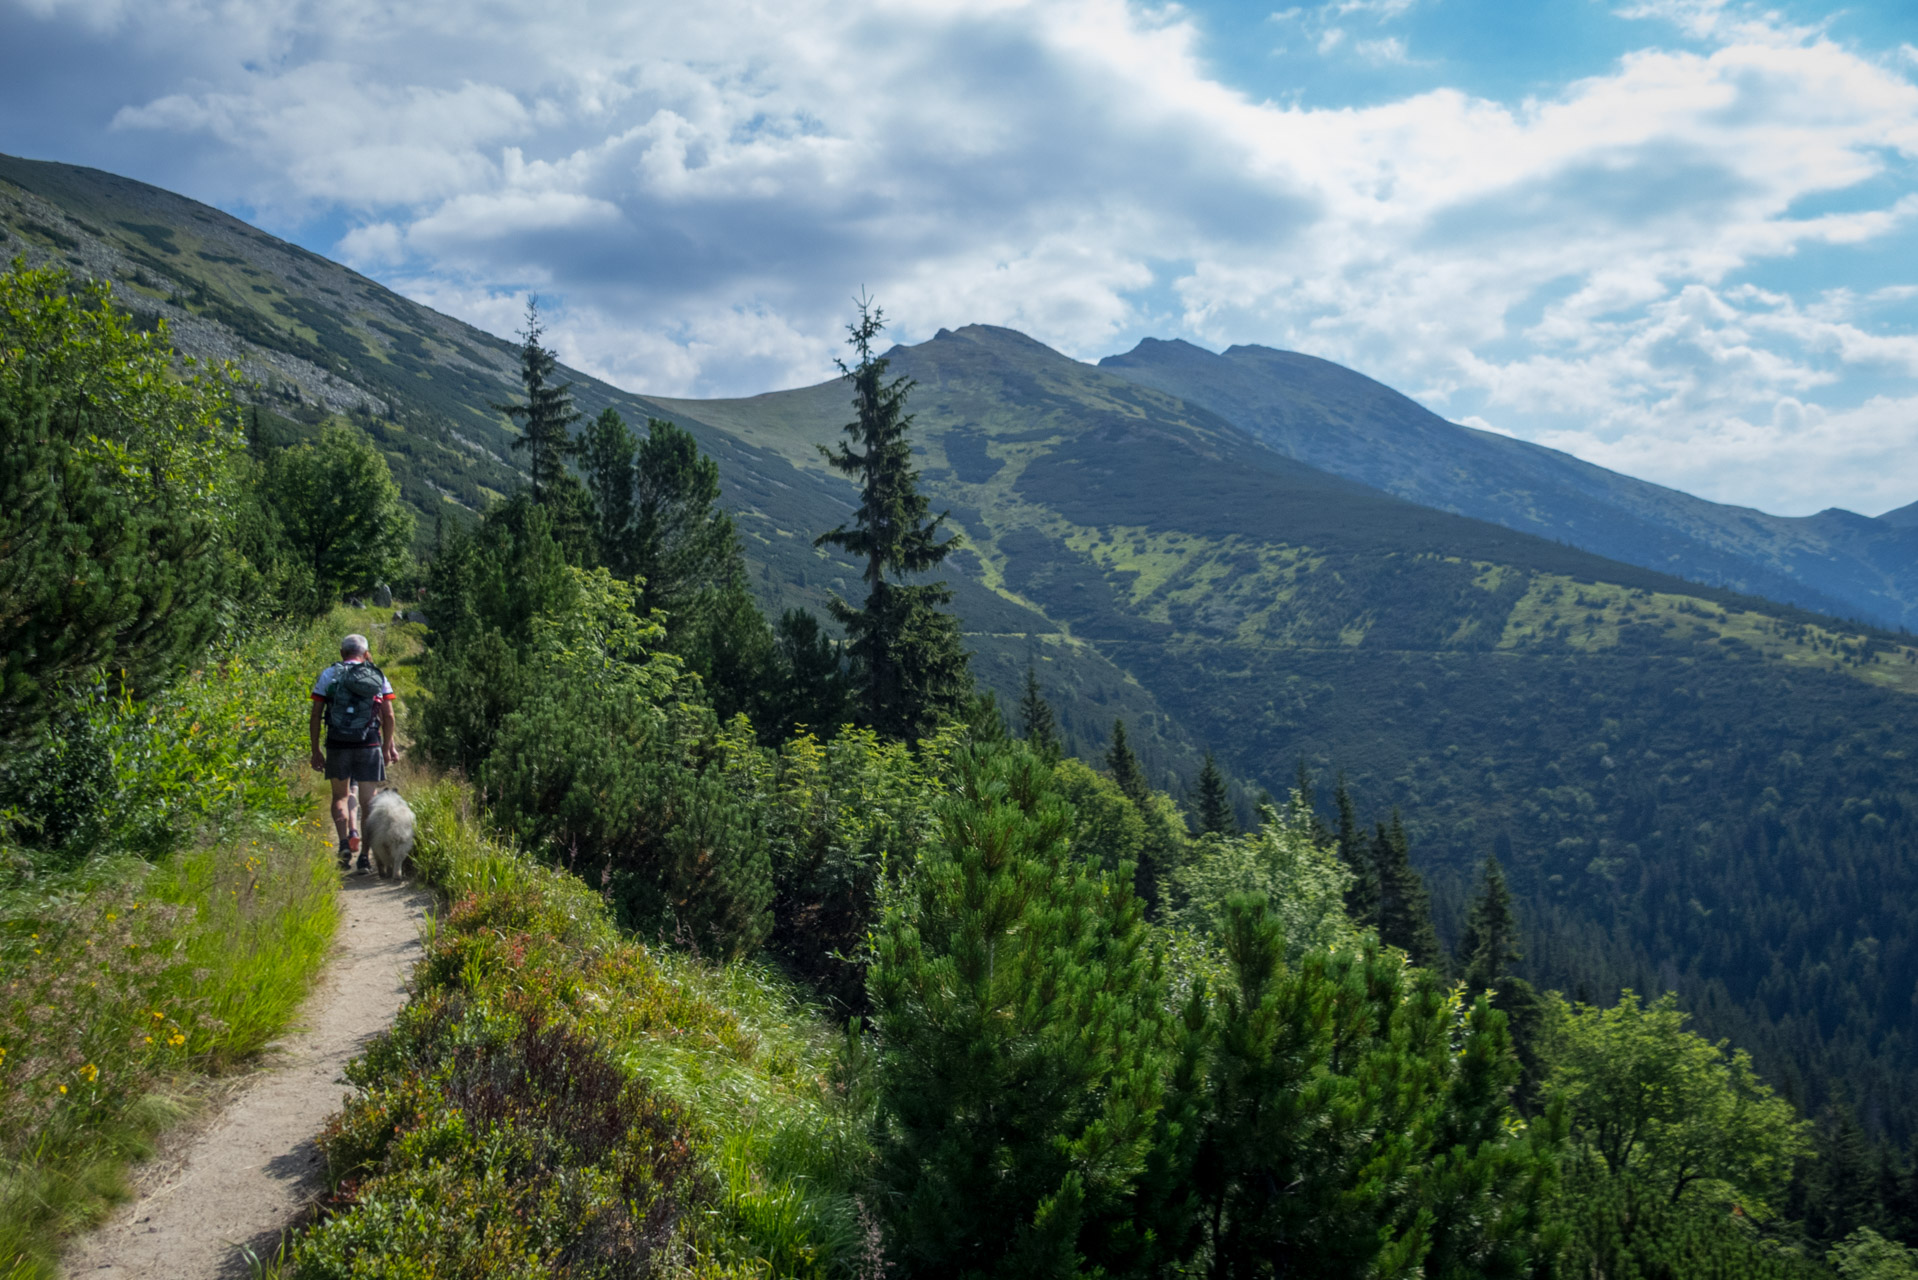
<point x="1835" y="562"/>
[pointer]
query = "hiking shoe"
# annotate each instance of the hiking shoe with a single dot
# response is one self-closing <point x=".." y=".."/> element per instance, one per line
<point x="366" y="868"/>
<point x="353" y="845"/>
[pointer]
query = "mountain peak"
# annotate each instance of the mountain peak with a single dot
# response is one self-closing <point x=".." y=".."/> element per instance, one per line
<point x="1159" y="349"/>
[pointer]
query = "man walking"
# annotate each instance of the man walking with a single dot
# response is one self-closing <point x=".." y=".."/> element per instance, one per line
<point x="355" y="700"/>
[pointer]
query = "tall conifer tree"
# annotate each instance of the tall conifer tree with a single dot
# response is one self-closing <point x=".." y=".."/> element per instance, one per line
<point x="1490" y="947"/>
<point x="547" y="417"/>
<point x="1405" y="913"/>
<point x="910" y="667"/>
<point x="657" y="521"/>
<point x="1036" y="723"/>
<point x="1123" y="764"/>
<point x="606" y="456"/>
<point x="1214" y="805"/>
<point x="1362" y="898"/>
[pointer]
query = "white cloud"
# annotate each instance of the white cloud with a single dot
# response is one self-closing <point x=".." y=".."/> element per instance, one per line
<point x="699" y="190"/>
<point x="1800" y="452"/>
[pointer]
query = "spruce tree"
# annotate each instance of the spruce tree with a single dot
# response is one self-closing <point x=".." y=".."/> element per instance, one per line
<point x="657" y="522"/>
<point x="1405" y="913"/>
<point x="811" y="686"/>
<point x="911" y="669"/>
<point x="606" y="456"/>
<point x="986" y="722"/>
<point x="546" y="419"/>
<point x="1362" y="898"/>
<point x="1123" y="764"/>
<point x="1490" y="947"/>
<point x="1213" y="804"/>
<point x="1036" y="723"/>
<point x="1309" y="804"/>
<point x="683" y="546"/>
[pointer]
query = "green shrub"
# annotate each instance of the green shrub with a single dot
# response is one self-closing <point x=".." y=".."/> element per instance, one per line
<point x="116" y="774"/>
<point x="116" y="488"/>
<point x="613" y="764"/>
<point x="764" y="1096"/>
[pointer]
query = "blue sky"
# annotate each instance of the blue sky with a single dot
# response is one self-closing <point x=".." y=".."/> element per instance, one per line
<point x="1674" y="237"/>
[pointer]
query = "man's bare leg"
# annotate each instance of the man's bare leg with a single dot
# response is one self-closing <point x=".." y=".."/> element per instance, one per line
<point x="343" y="817"/>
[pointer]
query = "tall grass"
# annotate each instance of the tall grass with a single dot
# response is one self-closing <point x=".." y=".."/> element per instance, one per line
<point x="173" y="936"/>
<point x="769" y="1091"/>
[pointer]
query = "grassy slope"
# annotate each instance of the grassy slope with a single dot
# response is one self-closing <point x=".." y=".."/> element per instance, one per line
<point x="128" y="982"/>
<point x="753" y="1141"/>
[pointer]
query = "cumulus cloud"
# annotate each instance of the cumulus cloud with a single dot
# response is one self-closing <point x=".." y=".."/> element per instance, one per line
<point x="698" y="191"/>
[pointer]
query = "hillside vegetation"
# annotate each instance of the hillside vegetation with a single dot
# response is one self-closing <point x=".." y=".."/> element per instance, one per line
<point x="773" y="955"/>
<point x="1689" y="787"/>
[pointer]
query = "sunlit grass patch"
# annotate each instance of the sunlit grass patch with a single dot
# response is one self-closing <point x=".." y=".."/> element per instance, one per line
<point x="121" y="982"/>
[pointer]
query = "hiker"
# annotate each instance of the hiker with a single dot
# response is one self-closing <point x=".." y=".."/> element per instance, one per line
<point x="355" y="700"/>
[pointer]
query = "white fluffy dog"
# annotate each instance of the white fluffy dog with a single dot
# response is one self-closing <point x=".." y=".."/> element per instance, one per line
<point x="388" y="830"/>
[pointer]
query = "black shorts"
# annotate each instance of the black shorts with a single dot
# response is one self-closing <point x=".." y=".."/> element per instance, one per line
<point x="361" y="764"/>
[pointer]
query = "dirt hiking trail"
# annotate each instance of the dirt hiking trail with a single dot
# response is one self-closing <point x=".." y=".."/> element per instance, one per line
<point x="249" y="1168"/>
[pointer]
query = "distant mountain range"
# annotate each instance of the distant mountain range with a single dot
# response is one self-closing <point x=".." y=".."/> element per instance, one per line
<point x="1277" y="559"/>
<point x="1836" y="562"/>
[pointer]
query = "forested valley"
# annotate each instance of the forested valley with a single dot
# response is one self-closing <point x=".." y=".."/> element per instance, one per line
<point x="977" y="958"/>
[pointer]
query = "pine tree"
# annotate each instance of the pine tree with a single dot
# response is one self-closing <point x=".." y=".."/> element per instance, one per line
<point x="547" y="416"/>
<point x="1213" y="804"/>
<point x="1036" y="723"/>
<point x="1490" y="947"/>
<point x="1405" y="913"/>
<point x="1125" y="768"/>
<point x="1362" y="899"/>
<point x="1020" y="1006"/>
<point x="1303" y="1084"/>
<point x="99" y="567"/>
<point x="910" y="666"/>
